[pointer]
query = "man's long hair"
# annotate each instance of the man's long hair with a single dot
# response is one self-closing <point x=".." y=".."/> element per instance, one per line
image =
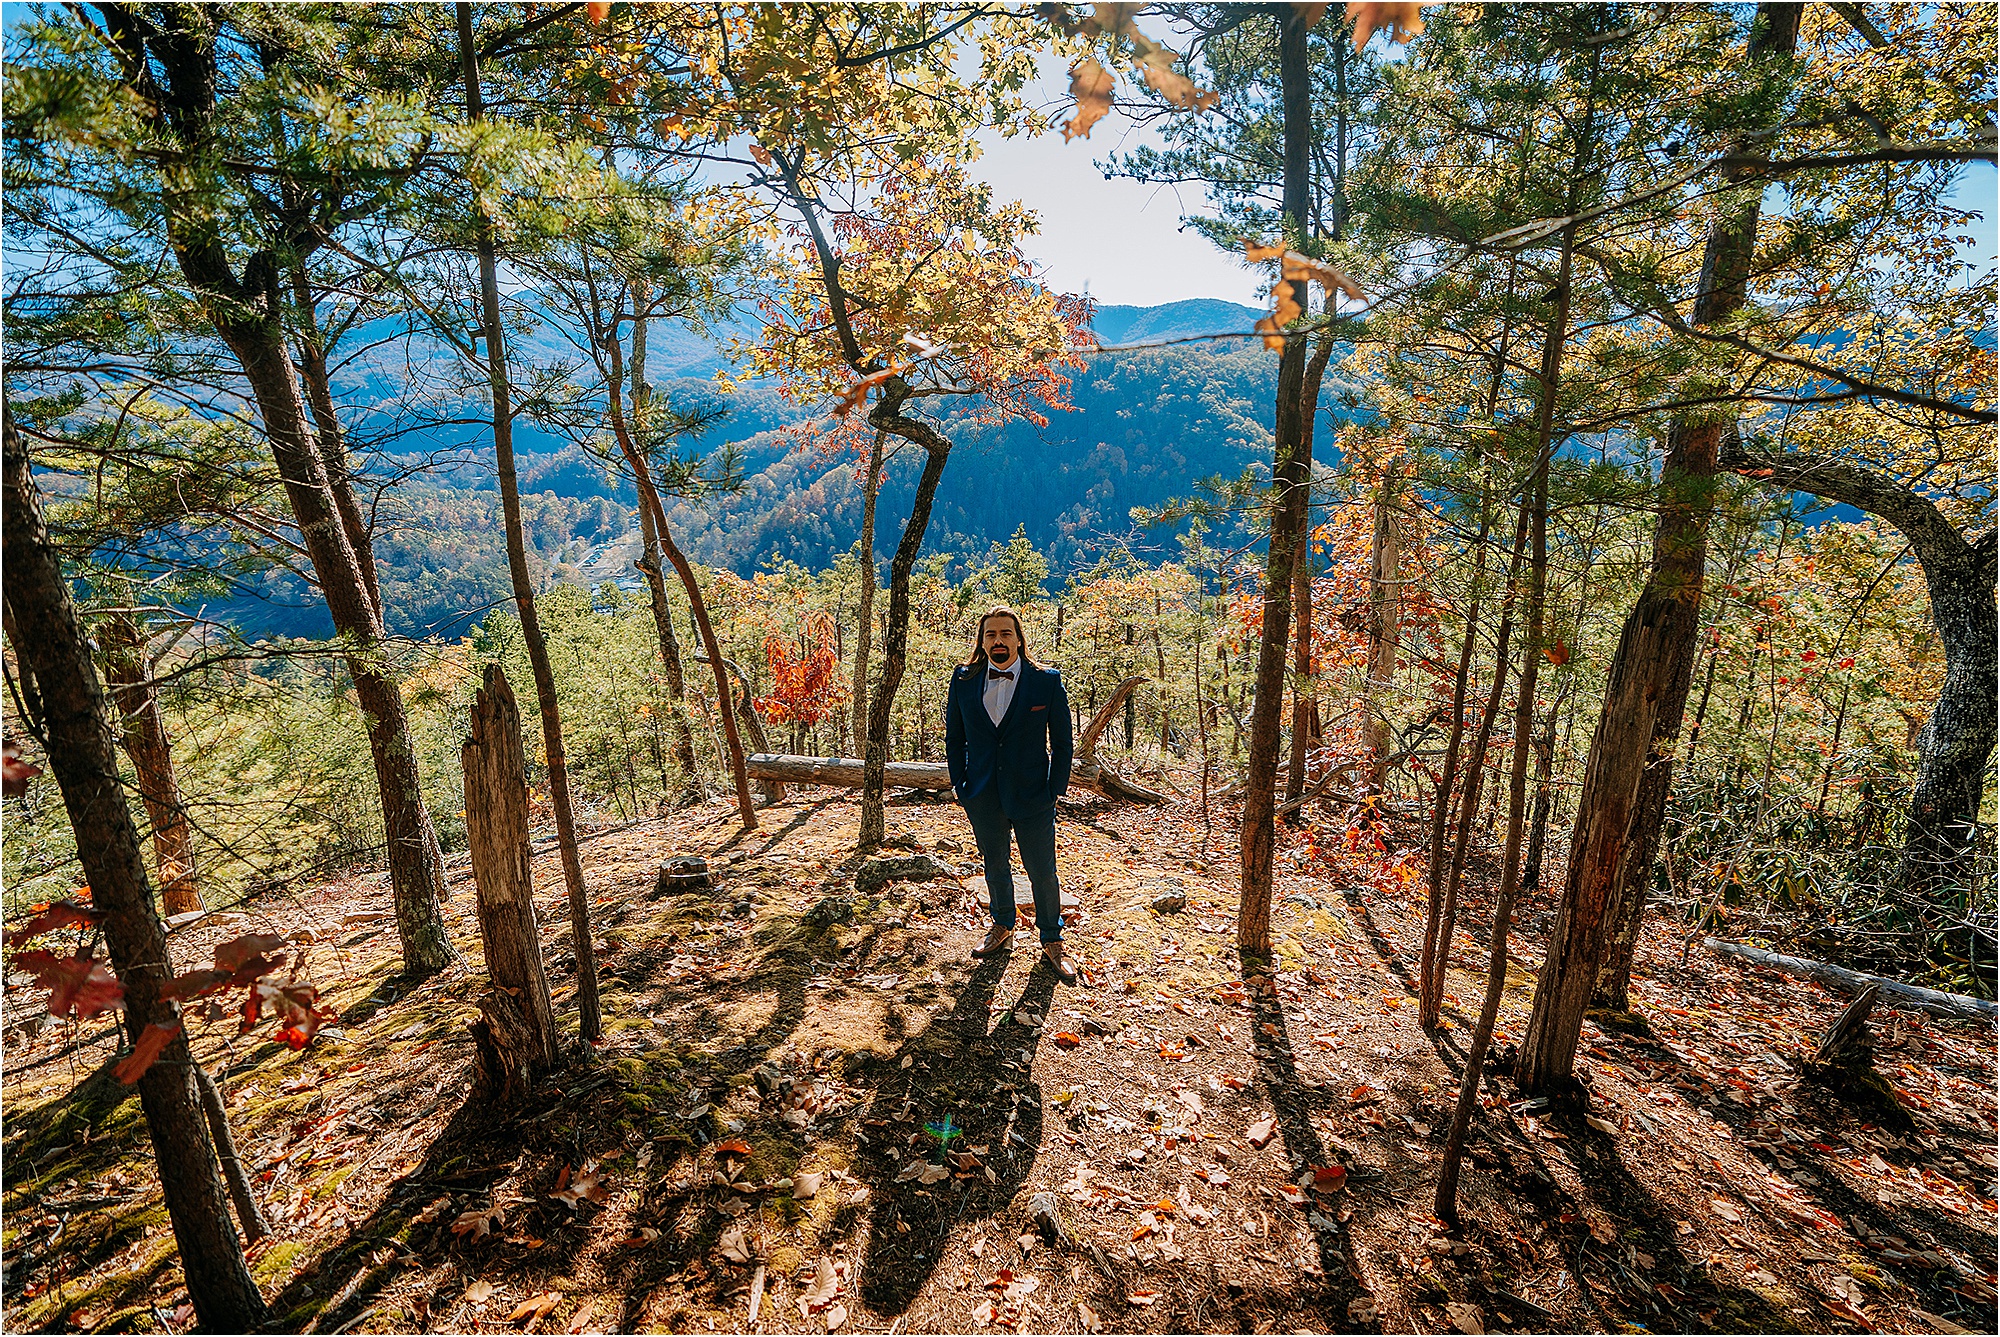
<point x="979" y="635"/>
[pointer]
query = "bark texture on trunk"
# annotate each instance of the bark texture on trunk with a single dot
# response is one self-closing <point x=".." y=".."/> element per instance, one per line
<point x="493" y="331"/>
<point x="864" y="618"/>
<point x="1622" y="802"/>
<point x="1385" y="626"/>
<point x="249" y="1215"/>
<point x="1291" y="470"/>
<point x="173" y="74"/>
<point x="516" y="1033"/>
<point x="888" y="417"/>
<point x="143" y="730"/>
<point x="49" y="640"/>
<point x="1955" y="745"/>
<point x="652" y="565"/>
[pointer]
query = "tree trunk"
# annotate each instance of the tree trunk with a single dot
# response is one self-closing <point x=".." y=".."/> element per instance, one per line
<point x="128" y="674"/>
<point x="1955" y="745"/>
<point x="652" y="566"/>
<point x="1295" y="766"/>
<point x="1437" y="939"/>
<point x="516" y="1032"/>
<point x="888" y="417"/>
<point x="416" y="872"/>
<point x="332" y="444"/>
<point x="1385" y="626"/>
<point x="590" y="1023"/>
<point x="1670" y="608"/>
<point x="81" y="754"/>
<point x="248" y="1214"/>
<point x="864" y="625"/>
<point x="1305" y="706"/>
<point x="1446" y="1203"/>
<point x="1291" y="476"/>
<point x="649" y="498"/>
<point x="1435" y="862"/>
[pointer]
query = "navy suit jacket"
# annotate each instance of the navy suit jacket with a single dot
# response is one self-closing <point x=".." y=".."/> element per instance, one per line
<point x="1024" y="760"/>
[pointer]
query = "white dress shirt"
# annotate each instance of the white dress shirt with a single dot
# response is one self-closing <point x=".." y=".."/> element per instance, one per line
<point x="999" y="692"/>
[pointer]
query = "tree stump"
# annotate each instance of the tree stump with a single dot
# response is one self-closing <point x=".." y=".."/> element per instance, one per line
<point x="516" y="1032"/>
<point x="1845" y="1062"/>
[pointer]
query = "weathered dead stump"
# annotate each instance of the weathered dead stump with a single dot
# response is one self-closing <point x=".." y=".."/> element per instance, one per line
<point x="1844" y="1063"/>
<point x="516" y="1031"/>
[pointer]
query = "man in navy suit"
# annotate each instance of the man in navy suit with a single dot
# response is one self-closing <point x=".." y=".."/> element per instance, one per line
<point x="1007" y="741"/>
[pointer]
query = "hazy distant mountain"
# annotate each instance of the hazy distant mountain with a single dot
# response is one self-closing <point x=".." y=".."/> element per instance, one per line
<point x="1148" y="425"/>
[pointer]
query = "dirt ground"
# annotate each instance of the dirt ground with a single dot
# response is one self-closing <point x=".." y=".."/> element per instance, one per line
<point x="814" y="1096"/>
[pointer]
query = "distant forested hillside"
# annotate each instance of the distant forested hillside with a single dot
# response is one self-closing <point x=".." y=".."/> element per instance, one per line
<point x="1149" y="424"/>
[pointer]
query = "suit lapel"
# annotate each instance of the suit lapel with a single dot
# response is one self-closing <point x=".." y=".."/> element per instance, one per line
<point x="1014" y="706"/>
<point x="976" y="707"/>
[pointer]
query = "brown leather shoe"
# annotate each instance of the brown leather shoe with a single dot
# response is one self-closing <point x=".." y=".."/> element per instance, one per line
<point x="1065" y="969"/>
<point x="999" y="941"/>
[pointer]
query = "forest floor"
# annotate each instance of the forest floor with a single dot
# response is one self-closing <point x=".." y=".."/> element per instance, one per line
<point x="916" y="1112"/>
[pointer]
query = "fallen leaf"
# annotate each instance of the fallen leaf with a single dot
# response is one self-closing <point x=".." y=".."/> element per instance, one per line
<point x="1192" y="1100"/>
<point x="1261" y="1132"/>
<point x="477" y="1222"/>
<point x="1215" y="1175"/>
<point x="1361" y="1309"/>
<point x="733" y="1147"/>
<point x="1292" y="1194"/>
<point x="478" y="1293"/>
<point x="1601" y="1125"/>
<point x="535" y="1307"/>
<point x="1141" y="1298"/>
<point x="1329" y="1178"/>
<point x="986" y="1312"/>
<point x="1067" y="1039"/>
<point x="835" y="1316"/>
<point x="586" y="1185"/>
<point x="735" y="1243"/>
<point x="825" y="1285"/>
<point x="1727" y="1210"/>
<point x="807" y="1185"/>
<point x="1087" y="1319"/>
<point x="581" y="1318"/>
<point x="1467" y="1318"/>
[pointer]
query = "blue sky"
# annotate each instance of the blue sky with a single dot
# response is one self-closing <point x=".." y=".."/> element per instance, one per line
<point x="1123" y="242"/>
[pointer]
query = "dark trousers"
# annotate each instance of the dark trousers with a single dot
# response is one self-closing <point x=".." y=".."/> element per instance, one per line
<point x="1036" y="836"/>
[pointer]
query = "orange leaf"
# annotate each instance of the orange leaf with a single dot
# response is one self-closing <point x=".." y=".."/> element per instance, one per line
<point x="599" y="10"/>
<point x="1090" y="84"/>
<point x="1399" y="17"/>
<point x="733" y="1147"/>
<point x="144" y="1050"/>
<point x="1558" y="653"/>
<point x="1067" y="1039"/>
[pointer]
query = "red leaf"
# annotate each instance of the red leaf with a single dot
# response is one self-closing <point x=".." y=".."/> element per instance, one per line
<point x="15" y="773"/>
<point x="144" y="1050"/>
<point x="1558" y="653"/>
<point x="240" y="956"/>
<point x="74" y="982"/>
<point x="63" y="914"/>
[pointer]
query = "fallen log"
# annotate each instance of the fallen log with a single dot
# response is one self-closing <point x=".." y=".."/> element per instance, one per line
<point x="1853" y="981"/>
<point x="846" y="772"/>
